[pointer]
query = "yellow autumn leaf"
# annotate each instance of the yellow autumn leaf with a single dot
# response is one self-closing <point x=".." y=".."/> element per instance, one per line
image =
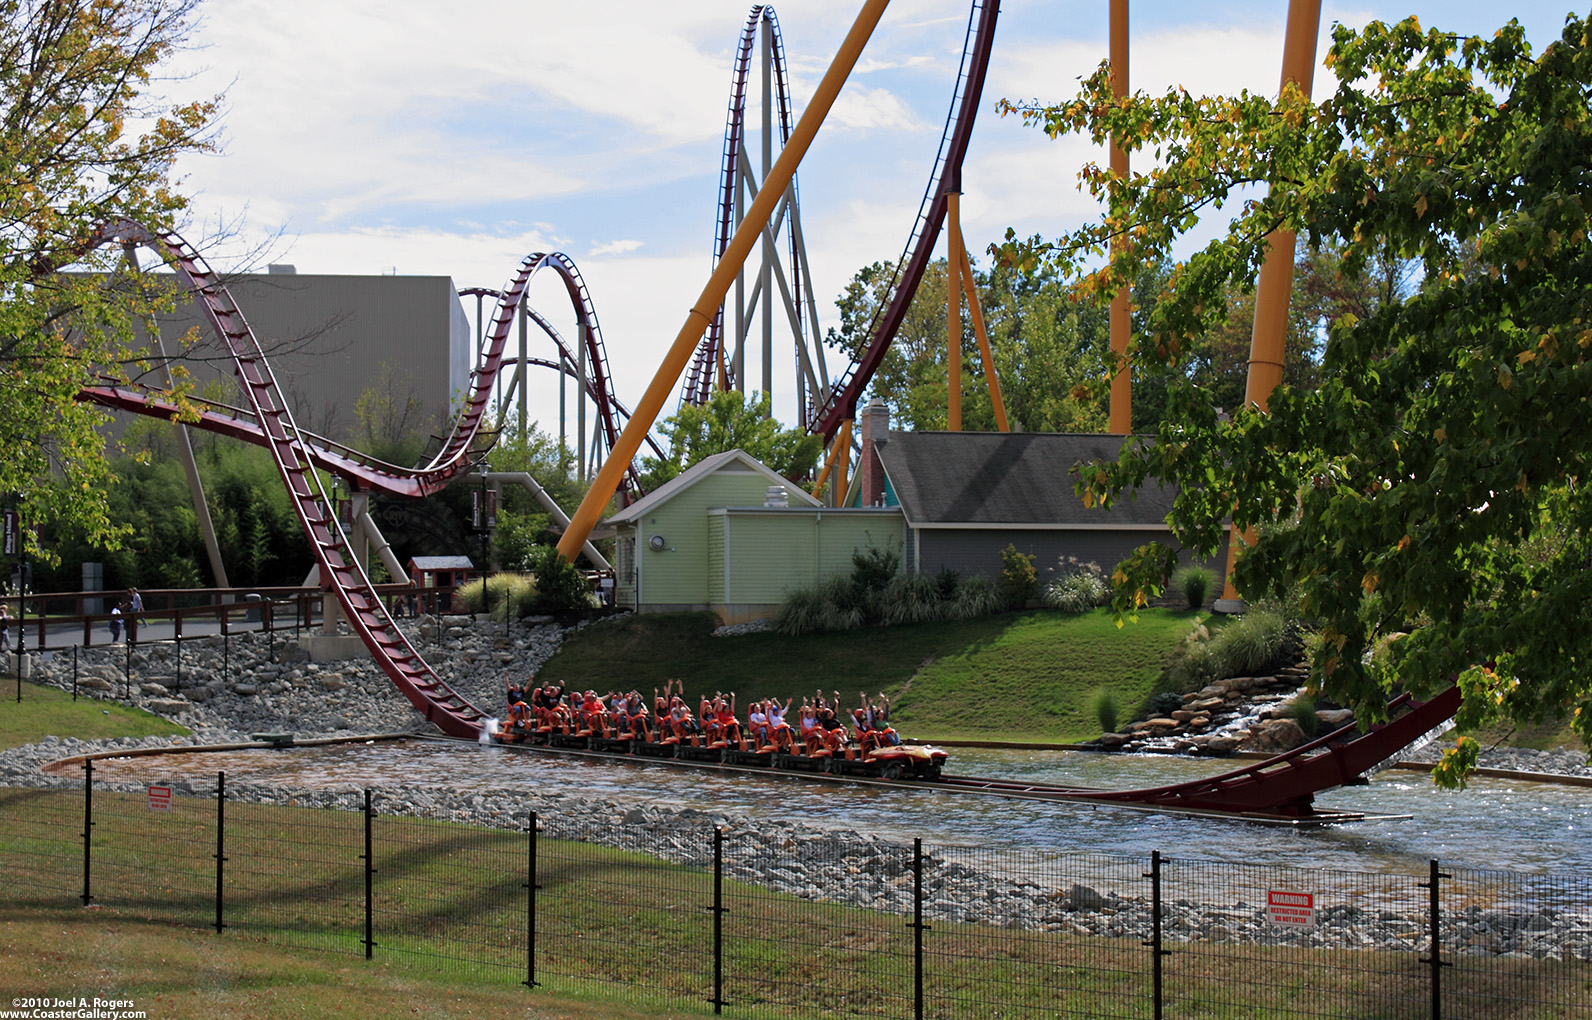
<point x="1526" y="357"/>
<point x="1368" y="582"/>
<point x="1440" y="434"/>
<point x="1404" y="543"/>
<point x="1420" y="207"/>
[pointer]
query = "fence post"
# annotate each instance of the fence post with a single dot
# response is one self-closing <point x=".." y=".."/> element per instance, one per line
<point x="530" y="911"/>
<point x="1156" y="952"/>
<point x="179" y="660"/>
<point x="88" y="825"/>
<point x="1435" y="961"/>
<point x="74" y="672"/>
<point x="718" y="919"/>
<point x="918" y="928"/>
<point x="226" y="657"/>
<point x="370" y="872"/>
<point x="221" y="843"/>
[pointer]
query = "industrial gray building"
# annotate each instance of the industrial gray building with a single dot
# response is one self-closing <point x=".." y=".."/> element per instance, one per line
<point x="329" y="339"/>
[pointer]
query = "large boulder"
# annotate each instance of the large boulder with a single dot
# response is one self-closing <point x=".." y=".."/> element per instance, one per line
<point x="1277" y="735"/>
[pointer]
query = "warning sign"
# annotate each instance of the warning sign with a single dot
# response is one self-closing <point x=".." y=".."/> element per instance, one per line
<point x="1291" y="909"/>
<point x="160" y="798"/>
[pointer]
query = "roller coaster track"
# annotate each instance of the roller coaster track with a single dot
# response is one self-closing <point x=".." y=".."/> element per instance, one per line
<point x="613" y="415"/>
<point x="1281" y="786"/>
<point x="945" y="178"/>
<point x="700" y="375"/>
<point x="341" y="572"/>
<point x="363" y="471"/>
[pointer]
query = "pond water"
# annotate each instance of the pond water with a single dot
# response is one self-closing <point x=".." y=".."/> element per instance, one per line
<point x="1507" y="824"/>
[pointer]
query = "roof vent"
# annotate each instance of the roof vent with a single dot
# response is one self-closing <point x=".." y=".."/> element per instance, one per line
<point x="777" y="496"/>
<point x="281" y="269"/>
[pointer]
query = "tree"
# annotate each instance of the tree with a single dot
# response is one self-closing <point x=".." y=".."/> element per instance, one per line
<point x="1433" y="481"/>
<point x="75" y="75"/>
<point x="731" y="421"/>
<point x="1044" y="346"/>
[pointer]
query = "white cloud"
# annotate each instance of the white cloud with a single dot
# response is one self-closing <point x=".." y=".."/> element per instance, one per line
<point x="613" y="248"/>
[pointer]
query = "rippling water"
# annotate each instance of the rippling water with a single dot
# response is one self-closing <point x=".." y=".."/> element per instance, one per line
<point x="1519" y="826"/>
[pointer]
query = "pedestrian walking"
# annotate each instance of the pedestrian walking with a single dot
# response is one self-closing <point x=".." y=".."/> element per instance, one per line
<point x="5" y="627"/>
<point x="116" y="624"/>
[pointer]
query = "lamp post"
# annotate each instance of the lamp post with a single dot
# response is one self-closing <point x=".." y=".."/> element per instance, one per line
<point x="483" y="524"/>
<point x="14" y="545"/>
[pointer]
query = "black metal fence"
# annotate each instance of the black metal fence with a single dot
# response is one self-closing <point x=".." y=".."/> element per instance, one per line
<point x="817" y="924"/>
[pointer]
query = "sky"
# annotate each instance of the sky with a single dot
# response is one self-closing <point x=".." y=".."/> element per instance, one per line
<point x="420" y="138"/>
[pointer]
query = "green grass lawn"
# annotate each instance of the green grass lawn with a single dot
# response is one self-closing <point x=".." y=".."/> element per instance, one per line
<point x="1024" y="676"/>
<point x="619" y="934"/>
<point x="49" y="711"/>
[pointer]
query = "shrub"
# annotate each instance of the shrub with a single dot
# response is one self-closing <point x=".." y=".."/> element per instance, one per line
<point x="506" y="595"/>
<point x="1251" y="643"/>
<point x="872" y="570"/>
<point x="1077" y="593"/>
<point x="977" y="596"/>
<point x="1104" y="707"/>
<point x="912" y="598"/>
<point x="467" y="597"/>
<point x="947" y="581"/>
<point x="800" y="613"/>
<point x="558" y="586"/>
<point x="1018" y="577"/>
<point x="1246" y="646"/>
<point x="1195" y="583"/>
<point x="1303" y="711"/>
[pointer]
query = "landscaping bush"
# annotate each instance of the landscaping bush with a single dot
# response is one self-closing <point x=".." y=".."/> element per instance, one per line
<point x="978" y="596"/>
<point x="1303" y="711"/>
<point x="1078" y="591"/>
<point x="1195" y="584"/>
<point x="558" y="585"/>
<point x="912" y="598"/>
<point x="947" y="581"/>
<point x="1244" y="647"/>
<point x="1104" y="708"/>
<point x="467" y="597"/>
<point x="1018" y="577"/>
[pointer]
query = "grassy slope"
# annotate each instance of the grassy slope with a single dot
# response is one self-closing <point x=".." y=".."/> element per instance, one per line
<point x="46" y="711"/>
<point x="1034" y="670"/>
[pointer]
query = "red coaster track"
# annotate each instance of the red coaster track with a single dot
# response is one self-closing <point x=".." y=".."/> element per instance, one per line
<point x="295" y="453"/>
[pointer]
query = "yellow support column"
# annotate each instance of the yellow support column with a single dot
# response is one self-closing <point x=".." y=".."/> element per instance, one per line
<point x="701" y="314"/>
<point x="1269" y="339"/>
<point x="953" y="310"/>
<point x="984" y="352"/>
<point x="1121" y="413"/>
<point x="839" y="454"/>
<point x="843" y="464"/>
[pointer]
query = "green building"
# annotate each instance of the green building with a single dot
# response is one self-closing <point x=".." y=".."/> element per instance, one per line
<point x="732" y="536"/>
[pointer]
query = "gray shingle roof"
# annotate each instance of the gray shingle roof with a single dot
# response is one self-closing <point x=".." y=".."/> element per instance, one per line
<point x="1007" y="478"/>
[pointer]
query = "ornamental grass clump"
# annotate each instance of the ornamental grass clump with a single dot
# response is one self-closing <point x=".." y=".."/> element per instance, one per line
<point x="912" y="598"/>
<point x="1195" y="584"/>
<point x="1080" y="588"/>
<point x="978" y="596"/>
<point x="1103" y="706"/>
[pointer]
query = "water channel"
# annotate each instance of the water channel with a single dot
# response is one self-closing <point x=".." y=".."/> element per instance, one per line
<point x="1496" y="823"/>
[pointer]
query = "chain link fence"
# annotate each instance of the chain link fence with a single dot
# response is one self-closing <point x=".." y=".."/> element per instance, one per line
<point x="813" y="922"/>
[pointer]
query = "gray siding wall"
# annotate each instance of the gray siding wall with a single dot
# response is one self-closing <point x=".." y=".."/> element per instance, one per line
<point x="977" y="551"/>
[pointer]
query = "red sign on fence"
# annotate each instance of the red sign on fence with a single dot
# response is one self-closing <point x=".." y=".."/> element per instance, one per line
<point x="1291" y="909"/>
<point x="160" y="798"/>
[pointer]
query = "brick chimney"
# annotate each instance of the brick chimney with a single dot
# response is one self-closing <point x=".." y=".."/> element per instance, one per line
<point x="875" y="429"/>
